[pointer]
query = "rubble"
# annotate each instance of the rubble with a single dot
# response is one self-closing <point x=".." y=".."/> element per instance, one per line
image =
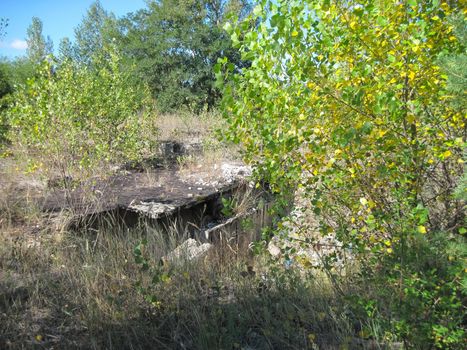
<point x="190" y="250"/>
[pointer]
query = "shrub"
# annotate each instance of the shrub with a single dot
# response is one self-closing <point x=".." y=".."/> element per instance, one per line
<point x="70" y="117"/>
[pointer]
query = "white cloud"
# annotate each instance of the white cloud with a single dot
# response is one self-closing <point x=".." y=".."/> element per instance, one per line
<point x="19" y="44"/>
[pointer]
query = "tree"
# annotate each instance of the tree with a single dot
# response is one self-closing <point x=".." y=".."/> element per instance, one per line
<point x="5" y="85"/>
<point x="91" y="35"/>
<point x="455" y="65"/>
<point x="3" y="25"/>
<point x="38" y="46"/>
<point x="348" y="101"/>
<point x="5" y="90"/>
<point x="175" y="45"/>
<point x="65" y="50"/>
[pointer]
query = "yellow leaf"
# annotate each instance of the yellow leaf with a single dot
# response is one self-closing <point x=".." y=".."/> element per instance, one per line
<point x="381" y="133"/>
<point x="363" y="201"/>
<point x="421" y="229"/>
<point x="411" y="75"/>
<point x="294" y="33"/>
<point x="387" y="243"/>
<point x="447" y="154"/>
<point x="410" y="118"/>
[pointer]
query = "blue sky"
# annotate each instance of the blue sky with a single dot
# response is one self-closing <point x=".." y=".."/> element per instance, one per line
<point x="59" y="18"/>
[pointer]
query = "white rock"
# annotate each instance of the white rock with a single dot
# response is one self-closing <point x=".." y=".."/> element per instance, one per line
<point x="273" y="249"/>
<point x="188" y="251"/>
<point x="152" y="209"/>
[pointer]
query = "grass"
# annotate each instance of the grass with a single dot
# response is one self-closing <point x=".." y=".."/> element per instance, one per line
<point x="64" y="289"/>
<point x="80" y="291"/>
<point x="188" y="127"/>
<point x="84" y="290"/>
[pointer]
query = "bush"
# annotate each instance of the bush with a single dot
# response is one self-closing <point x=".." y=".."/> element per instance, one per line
<point x="69" y="117"/>
<point x="5" y="90"/>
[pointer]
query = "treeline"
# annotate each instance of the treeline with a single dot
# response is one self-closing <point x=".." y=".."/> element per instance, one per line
<point x="171" y="45"/>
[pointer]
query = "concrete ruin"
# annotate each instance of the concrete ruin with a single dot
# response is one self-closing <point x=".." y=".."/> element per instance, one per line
<point x="167" y="199"/>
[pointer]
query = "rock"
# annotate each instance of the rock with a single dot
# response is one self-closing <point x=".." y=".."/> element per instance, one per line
<point x="152" y="209"/>
<point x="231" y="172"/>
<point x="273" y="249"/>
<point x="190" y="250"/>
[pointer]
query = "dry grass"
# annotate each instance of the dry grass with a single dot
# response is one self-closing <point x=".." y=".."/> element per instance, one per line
<point x="62" y="289"/>
<point x="200" y="133"/>
<point x="80" y="291"/>
<point x="188" y="127"/>
<point x="84" y="290"/>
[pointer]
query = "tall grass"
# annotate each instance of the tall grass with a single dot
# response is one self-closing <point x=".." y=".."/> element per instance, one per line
<point x="80" y="291"/>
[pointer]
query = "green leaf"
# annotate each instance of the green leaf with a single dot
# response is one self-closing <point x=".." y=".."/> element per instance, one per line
<point x="257" y="11"/>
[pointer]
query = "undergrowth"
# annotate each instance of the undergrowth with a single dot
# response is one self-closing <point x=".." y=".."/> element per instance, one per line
<point x="83" y="291"/>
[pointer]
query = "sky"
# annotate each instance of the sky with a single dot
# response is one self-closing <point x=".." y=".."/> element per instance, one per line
<point x="59" y="18"/>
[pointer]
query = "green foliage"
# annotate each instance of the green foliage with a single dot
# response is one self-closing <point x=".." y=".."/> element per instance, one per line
<point x="228" y="207"/>
<point x="72" y="117"/>
<point x="418" y="293"/>
<point x="175" y="45"/>
<point x="5" y="90"/>
<point x="38" y="47"/>
<point x="18" y="71"/>
<point x="5" y="85"/>
<point x="455" y="64"/>
<point x="65" y="50"/>
<point x="12" y="74"/>
<point x="91" y="35"/>
<point x="3" y="25"/>
<point x="348" y="101"/>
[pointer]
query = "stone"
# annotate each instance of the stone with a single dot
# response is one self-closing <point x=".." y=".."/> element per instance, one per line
<point x="152" y="209"/>
<point x="190" y="250"/>
<point x="273" y="249"/>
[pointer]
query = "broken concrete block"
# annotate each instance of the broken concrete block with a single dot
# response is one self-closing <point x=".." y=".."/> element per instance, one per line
<point x="190" y="250"/>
